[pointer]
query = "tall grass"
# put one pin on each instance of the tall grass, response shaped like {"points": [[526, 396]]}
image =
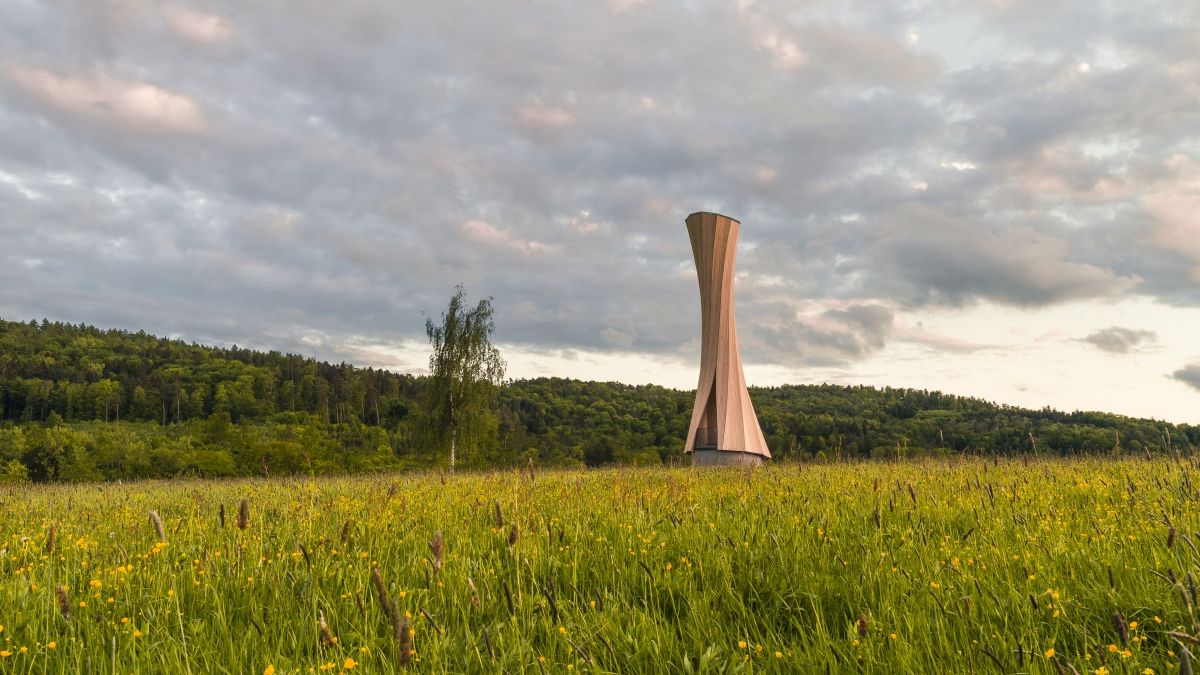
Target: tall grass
{"points": [[960, 566]]}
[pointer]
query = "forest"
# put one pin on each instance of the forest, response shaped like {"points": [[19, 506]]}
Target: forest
{"points": [[79, 403]]}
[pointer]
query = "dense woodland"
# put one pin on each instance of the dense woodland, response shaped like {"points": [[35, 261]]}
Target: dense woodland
{"points": [[80, 403]]}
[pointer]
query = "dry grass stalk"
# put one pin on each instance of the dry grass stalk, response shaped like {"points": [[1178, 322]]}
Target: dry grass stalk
{"points": [[385, 600], [401, 630], [64, 602], [243, 519], [404, 636], [474, 593], [1121, 628], [327, 638], [436, 546], [158, 528]]}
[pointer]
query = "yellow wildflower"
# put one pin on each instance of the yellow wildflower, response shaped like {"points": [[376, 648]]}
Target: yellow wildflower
{"points": [[1050, 653], [741, 644], [349, 663], [52, 645]]}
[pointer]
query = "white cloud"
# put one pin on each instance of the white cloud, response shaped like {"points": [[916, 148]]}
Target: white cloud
{"points": [[785, 54], [135, 104], [197, 27], [539, 117], [487, 234]]}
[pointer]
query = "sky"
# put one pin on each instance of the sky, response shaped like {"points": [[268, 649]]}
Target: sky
{"points": [[994, 198]]}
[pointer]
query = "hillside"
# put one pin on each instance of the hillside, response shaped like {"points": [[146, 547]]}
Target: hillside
{"points": [[78, 402]]}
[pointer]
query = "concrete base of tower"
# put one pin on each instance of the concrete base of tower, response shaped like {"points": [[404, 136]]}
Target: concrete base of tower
{"points": [[725, 458]]}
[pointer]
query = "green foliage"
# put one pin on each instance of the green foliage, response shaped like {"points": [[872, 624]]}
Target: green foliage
{"points": [[187, 410], [465, 372], [13, 471]]}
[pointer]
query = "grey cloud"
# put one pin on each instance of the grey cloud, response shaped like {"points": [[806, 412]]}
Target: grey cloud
{"points": [[928, 256], [344, 149], [1119, 340], [1189, 375], [830, 338]]}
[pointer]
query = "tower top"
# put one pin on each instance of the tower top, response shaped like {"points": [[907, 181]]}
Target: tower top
{"points": [[711, 213]]}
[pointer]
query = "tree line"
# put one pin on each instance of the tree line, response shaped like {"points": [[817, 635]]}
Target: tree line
{"points": [[81, 403]]}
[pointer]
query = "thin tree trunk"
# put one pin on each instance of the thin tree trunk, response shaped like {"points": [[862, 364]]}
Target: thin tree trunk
{"points": [[453, 439]]}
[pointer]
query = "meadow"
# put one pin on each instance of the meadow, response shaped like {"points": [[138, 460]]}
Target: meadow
{"points": [[963, 565]]}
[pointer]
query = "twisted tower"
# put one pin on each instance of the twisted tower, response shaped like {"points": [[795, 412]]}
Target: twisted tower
{"points": [[724, 428]]}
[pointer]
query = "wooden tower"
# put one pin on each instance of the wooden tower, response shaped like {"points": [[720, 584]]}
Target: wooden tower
{"points": [[724, 428]]}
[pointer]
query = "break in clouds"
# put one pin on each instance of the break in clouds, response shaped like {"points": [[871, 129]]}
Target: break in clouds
{"points": [[308, 175]]}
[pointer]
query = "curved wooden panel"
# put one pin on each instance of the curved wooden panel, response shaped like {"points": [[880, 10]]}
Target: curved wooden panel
{"points": [[723, 418]]}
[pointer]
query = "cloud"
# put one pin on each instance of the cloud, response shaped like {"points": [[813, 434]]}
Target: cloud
{"points": [[1189, 375], [252, 173], [543, 120], [1120, 340], [785, 54], [134, 104], [819, 336], [927, 256], [483, 232], [197, 27]]}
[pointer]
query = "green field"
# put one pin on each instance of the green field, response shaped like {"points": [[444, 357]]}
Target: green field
{"points": [[924, 567]]}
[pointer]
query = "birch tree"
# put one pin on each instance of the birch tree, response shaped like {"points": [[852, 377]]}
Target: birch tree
{"points": [[466, 371]]}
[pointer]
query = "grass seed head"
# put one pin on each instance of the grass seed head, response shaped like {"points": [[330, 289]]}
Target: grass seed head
{"points": [[243, 520], [474, 593], [327, 638], [436, 546], [50, 538], [64, 602], [404, 636], [1121, 628], [158, 526]]}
